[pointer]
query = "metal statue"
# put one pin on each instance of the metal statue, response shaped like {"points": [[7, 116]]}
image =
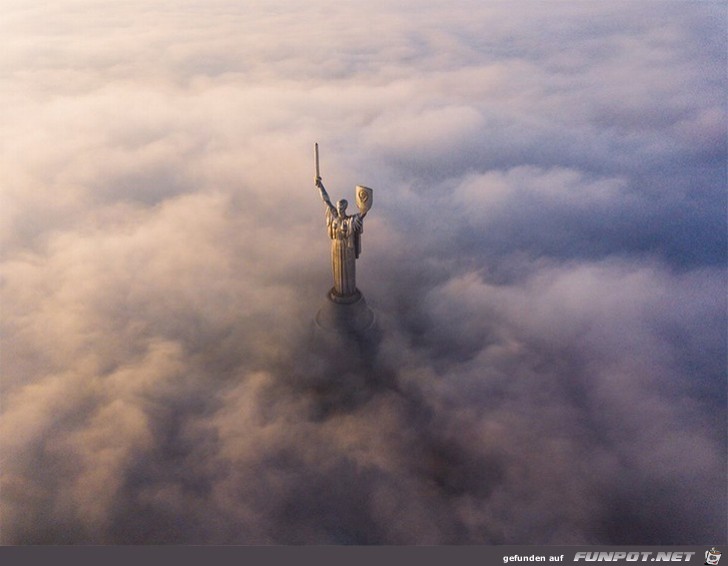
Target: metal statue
{"points": [[345, 233]]}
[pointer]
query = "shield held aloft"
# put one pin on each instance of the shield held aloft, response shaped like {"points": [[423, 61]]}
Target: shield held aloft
{"points": [[364, 198]]}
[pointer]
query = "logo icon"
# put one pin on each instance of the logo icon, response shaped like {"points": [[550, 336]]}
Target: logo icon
{"points": [[712, 556]]}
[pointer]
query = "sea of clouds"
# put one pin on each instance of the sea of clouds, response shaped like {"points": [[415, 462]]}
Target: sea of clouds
{"points": [[545, 254]]}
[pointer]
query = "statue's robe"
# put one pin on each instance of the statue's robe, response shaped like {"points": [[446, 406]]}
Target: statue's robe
{"points": [[345, 234]]}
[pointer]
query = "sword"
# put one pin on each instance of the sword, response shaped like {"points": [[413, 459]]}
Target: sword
{"points": [[316, 158]]}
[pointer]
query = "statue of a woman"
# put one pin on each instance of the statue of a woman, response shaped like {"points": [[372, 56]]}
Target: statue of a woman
{"points": [[345, 233]]}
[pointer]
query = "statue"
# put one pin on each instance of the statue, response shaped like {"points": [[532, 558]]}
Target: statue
{"points": [[345, 233], [344, 315]]}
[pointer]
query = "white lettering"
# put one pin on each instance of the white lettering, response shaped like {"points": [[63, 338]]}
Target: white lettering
{"points": [[633, 556]]}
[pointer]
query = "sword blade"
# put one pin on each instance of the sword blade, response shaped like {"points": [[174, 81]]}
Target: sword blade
{"points": [[316, 158]]}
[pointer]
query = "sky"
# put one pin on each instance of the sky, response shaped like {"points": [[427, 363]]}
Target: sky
{"points": [[545, 257]]}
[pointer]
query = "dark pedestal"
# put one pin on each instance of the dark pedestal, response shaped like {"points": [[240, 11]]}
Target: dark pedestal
{"points": [[345, 315]]}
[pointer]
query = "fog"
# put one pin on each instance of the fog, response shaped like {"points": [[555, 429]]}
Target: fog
{"points": [[545, 256]]}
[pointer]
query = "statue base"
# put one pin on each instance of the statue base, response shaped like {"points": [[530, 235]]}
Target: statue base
{"points": [[344, 343], [348, 314]]}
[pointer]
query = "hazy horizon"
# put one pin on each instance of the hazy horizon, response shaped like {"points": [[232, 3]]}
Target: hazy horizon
{"points": [[546, 255]]}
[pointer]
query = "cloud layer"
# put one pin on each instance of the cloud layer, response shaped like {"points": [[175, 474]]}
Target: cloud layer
{"points": [[546, 256]]}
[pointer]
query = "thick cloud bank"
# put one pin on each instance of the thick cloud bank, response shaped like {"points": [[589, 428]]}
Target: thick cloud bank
{"points": [[546, 257]]}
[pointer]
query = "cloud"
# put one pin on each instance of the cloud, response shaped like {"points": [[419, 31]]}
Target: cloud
{"points": [[545, 256]]}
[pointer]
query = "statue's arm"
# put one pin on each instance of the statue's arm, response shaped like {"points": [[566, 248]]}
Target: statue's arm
{"points": [[359, 221], [325, 195]]}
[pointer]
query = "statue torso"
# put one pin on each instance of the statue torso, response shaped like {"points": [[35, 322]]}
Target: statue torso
{"points": [[342, 228]]}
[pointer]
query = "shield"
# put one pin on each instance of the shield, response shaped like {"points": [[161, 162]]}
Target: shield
{"points": [[364, 198]]}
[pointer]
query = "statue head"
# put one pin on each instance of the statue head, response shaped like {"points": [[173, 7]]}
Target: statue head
{"points": [[341, 207]]}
